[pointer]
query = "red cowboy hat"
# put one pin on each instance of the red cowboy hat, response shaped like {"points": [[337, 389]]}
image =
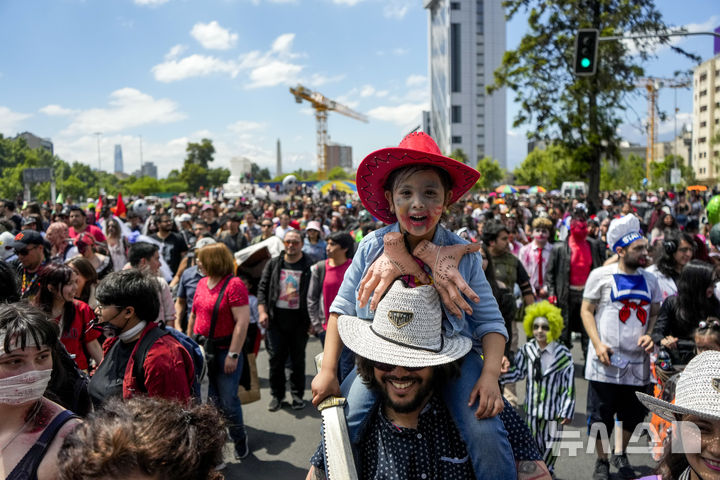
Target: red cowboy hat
{"points": [[417, 148]]}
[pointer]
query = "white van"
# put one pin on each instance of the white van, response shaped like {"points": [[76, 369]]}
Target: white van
{"points": [[573, 189]]}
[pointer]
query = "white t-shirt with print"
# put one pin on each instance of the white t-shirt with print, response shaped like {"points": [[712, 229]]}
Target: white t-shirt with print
{"points": [[620, 302]]}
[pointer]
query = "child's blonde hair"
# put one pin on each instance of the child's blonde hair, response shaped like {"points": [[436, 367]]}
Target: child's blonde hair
{"points": [[547, 310]]}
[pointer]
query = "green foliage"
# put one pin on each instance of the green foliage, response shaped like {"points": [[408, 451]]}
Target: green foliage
{"points": [[581, 113], [626, 173], [338, 173], [459, 155], [259, 174], [200, 153], [660, 172], [548, 168], [79, 181], [490, 173]]}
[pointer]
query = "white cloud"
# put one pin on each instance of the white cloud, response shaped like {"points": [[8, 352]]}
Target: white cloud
{"points": [[175, 52], [244, 126], [283, 43], [272, 73], [128, 108], [349, 3], [10, 121], [193, 66], [401, 115], [56, 111], [395, 51], [396, 8], [416, 80], [150, 3], [707, 26], [668, 126], [367, 91], [213, 36]]}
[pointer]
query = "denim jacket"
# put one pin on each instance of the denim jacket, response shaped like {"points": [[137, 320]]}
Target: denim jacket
{"points": [[486, 317]]}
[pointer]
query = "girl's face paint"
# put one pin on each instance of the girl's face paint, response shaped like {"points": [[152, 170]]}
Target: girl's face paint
{"points": [[418, 202], [541, 236]]}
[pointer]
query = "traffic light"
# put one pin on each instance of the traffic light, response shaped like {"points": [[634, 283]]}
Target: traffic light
{"points": [[586, 43]]}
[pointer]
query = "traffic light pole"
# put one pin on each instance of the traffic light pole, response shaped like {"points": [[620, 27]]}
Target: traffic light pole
{"points": [[656, 35]]}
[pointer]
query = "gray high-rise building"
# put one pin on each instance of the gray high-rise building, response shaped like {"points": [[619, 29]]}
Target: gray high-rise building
{"points": [[118, 159], [466, 44]]}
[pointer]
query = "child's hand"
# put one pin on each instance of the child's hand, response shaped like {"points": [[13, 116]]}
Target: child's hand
{"points": [[487, 393], [324, 385], [393, 263], [449, 283], [505, 365], [565, 421]]}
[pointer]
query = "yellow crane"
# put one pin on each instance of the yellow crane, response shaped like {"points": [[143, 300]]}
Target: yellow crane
{"points": [[322, 106], [653, 85]]}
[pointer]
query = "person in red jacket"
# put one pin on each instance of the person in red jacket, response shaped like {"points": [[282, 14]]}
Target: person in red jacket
{"points": [[127, 307]]}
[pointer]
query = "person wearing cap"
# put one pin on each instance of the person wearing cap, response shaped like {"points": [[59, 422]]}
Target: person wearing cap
{"points": [[314, 245], [29, 247], [184, 226], [409, 187], [404, 356], [620, 304], [696, 410], [79, 224], [209, 215], [188, 282], [233, 237]]}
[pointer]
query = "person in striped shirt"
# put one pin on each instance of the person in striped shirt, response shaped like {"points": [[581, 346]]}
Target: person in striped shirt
{"points": [[547, 366]]}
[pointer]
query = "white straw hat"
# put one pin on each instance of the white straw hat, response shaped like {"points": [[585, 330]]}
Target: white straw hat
{"points": [[406, 330], [697, 391]]}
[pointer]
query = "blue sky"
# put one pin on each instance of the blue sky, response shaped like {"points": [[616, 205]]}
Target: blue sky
{"points": [[173, 71]]}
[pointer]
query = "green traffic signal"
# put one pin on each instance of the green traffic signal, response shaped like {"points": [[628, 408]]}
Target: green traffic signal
{"points": [[586, 43], [585, 62]]}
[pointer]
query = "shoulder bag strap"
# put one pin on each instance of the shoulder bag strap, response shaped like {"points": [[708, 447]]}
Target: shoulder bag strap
{"points": [[216, 310]]}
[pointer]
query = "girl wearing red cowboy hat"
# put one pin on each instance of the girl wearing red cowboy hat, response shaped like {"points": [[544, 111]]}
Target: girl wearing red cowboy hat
{"points": [[409, 187]]}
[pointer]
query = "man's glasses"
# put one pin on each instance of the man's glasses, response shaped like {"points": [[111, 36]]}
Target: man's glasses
{"points": [[292, 242], [266, 225], [544, 328], [101, 307], [386, 367]]}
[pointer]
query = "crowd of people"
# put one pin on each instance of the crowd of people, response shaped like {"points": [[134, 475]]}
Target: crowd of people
{"points": [[125, 329]]}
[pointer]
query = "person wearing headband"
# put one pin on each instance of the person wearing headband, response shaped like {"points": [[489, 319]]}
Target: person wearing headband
{"points": [[32, 428], [619, 308]]}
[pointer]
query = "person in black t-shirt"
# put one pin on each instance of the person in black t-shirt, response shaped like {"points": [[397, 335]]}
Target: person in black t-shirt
{"points": [[173, 245]]}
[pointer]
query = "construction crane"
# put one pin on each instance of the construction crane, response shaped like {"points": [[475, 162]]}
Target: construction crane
{"points": [[653, 85], [322, 106]]}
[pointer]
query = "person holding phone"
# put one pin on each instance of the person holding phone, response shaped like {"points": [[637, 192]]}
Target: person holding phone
{"points": [[620, 304]]}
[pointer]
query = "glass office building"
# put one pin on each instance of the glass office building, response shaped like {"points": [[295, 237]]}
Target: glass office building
{"points": [[466, 43]]}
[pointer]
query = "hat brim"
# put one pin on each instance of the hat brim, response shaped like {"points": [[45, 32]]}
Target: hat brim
{"points": [[374, 170], [358, 337], [670, 411]]}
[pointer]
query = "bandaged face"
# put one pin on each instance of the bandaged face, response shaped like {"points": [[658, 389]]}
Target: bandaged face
{"points": [[541, 329]]}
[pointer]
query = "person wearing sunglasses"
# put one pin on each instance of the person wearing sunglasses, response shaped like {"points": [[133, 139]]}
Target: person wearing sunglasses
{"points": [[547, 366], [29, 247], [267, 230], [404, 357]]}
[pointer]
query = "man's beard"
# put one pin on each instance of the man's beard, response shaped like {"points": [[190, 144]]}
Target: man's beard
{"points": [[634, 263], [423, 392]]}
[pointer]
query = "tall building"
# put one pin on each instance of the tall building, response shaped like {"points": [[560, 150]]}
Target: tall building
{"points": [[337, 155], [706, 120], [33, 141], [148, 170], [466, 45], [118, 159]]}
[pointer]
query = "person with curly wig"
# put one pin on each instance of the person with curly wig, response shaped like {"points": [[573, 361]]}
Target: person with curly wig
{"points": [[145, 438], [547, 366]]}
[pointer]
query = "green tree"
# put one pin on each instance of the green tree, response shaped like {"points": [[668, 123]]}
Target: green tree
{"points": [[218, 176], [582, 113], [200, 153], [194, 176], [490, 173], [627, 173], [459, 155], [259, 174], [338, 173], [547, 168]]}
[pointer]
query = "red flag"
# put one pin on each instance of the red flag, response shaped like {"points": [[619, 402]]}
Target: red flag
{"points": [[98, 208], [120, 209]]}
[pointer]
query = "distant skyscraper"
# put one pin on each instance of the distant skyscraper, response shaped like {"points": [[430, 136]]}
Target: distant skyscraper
{"points": [[467, 42], [149, 170], [118, 159]]}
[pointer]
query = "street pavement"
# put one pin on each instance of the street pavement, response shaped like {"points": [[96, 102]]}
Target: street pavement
{"points": [[282, 442]]}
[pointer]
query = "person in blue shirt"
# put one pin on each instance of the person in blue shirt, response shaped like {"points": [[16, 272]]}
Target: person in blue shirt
{"points": [[409, 187]]}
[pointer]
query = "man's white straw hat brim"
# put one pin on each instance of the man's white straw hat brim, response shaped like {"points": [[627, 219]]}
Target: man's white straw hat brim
{"points": [[697, 392], [406, 330]]}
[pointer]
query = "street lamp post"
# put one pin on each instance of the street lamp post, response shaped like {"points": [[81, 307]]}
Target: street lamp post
{"points": [[98, 135]]}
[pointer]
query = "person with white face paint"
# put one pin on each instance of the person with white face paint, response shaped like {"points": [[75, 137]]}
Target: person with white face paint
{"points": [[33, 427], [547, 366], [535, 256]]}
